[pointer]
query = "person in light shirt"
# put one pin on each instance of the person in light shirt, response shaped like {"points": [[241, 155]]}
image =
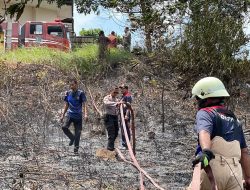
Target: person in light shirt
{"points": [[111, 103]]}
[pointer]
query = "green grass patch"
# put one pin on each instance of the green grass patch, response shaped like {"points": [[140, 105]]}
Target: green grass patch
{"points": [[116, 56], [36, 55], [85, 59]]}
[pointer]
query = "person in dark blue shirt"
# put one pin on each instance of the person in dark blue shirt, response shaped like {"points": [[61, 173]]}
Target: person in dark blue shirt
{"points": [[75, 101], [221, 141]]}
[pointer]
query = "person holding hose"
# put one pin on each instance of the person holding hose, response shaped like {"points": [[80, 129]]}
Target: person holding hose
{"points": [[127, 101], [221, 141], [111, 103]]}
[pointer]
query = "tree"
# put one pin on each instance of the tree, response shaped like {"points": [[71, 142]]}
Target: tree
{"points": [[214, 35], [90, 32]]}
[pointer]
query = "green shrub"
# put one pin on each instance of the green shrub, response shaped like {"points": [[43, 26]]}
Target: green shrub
{"points": [[213, 38]]}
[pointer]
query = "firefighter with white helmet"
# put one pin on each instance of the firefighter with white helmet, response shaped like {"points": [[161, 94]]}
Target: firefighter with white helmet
{"points": [[209, 87], [221, 141]]}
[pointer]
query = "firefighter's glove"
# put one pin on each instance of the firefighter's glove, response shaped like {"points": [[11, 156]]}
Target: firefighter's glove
{"points": [[204, 158]]}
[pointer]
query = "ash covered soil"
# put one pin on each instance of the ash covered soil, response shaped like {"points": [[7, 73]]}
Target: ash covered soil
{"points": [[34, 152]]}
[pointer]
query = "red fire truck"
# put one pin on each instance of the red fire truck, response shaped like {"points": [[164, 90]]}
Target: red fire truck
{"points": [[50, 34]]}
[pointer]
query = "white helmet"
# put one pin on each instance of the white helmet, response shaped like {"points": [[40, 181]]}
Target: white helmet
{"points": [[209, 87]]}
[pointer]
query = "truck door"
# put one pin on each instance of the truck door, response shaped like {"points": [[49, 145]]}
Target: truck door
{"points": [[35, 36], [55, 36]]}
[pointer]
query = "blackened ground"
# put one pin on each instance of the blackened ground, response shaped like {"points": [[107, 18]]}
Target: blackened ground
{"points": [[35, 152]]}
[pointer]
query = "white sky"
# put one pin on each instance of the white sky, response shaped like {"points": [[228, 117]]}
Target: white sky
{"points": [[108, 21]]}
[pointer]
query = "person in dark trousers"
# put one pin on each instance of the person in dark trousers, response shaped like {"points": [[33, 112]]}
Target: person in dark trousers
{"points": [[127, 100], [221, 141], [111, 103], [103, 42], [75, 102]]}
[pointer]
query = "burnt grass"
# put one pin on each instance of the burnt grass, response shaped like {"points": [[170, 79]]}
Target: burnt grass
{"points": [[34, 152]]}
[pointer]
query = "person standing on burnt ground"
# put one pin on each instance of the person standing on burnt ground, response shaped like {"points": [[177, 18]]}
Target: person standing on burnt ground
{"points": [[75, 107], [221, 141], [111, 106], [126, 99]]}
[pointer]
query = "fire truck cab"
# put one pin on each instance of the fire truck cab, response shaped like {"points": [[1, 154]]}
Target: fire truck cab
{"points": [[50, 34]]}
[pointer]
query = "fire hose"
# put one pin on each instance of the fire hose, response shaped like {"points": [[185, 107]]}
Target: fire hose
{"points": [[197, 170], [195, 184], [131, 153]]}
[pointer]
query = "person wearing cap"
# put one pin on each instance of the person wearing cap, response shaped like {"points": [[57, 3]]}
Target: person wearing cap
{"points": [[111, 103], [221, 142], [127, 100], [112, 40]]}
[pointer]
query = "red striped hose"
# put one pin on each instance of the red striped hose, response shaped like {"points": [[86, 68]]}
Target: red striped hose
{"points": [[135, 162]]}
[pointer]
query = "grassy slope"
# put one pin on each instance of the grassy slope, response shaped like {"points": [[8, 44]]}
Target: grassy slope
{"points": [[85, 58]]}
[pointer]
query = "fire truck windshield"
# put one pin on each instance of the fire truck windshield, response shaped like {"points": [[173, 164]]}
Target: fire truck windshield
{"points": [[55, 31]]}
